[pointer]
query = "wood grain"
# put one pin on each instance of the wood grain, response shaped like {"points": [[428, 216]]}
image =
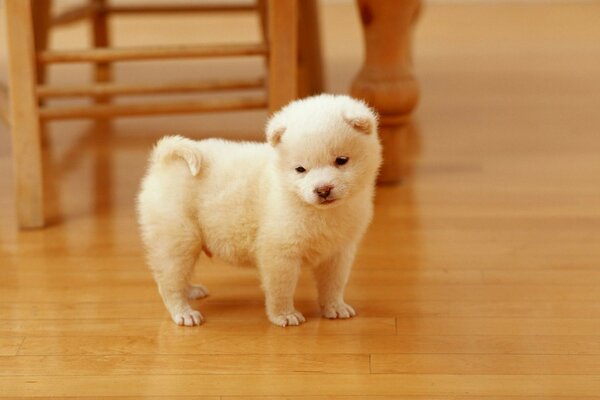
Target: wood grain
{"points": [[154, 53], [478, 278], [214, 327], [282, 23], [101, 38], [4, 105], [181, 8], [204, 364], [186, 343], [492, 364], [131, 89], [148, 108], [301, 385], [25, 124], [240, 308], [385, 80], [10, 345], [503, 326]]}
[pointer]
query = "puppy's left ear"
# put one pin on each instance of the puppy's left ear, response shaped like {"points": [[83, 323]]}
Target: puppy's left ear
{"points": [[363, 120], [275, 130]]}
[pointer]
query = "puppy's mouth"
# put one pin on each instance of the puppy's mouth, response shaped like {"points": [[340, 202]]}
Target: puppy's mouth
{"points": [[327, 201]]}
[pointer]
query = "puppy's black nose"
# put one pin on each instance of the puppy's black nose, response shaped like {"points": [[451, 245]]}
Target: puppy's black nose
{"points": [[323, 191]]}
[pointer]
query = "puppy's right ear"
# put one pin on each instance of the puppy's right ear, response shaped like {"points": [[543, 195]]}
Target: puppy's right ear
{"points": [[275, 130], [364, 121]]}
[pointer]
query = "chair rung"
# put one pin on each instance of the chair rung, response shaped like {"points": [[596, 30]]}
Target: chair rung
{"points": [[146, 53], [114, 110], [100, 90], [85, 11], [178, 8], [74, 14]]}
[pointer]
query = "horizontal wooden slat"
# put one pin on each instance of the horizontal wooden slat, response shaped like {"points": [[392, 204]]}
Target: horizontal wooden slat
{"points": [[499, 364], [147, 53], [191, 341], [78, 13], [573, 386], [188, 364], [180, 107], [74, 14], [133, 89], [180, 8]]}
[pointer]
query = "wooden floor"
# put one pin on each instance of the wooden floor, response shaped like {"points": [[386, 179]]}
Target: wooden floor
{"points": [[479, 278]]}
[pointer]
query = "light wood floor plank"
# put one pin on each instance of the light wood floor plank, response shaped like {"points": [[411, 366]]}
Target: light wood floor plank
{"points": [[375, 308], [98, 272], [484, 260], [234, 364], [496, 364], [212, 328], [192, 341], [317, 397], [301, 385], [498, 326], [401, 292], [10, 345], [407, 397]]}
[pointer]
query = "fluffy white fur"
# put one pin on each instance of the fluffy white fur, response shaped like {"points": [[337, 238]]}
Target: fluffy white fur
{"points": [[247, 204]]}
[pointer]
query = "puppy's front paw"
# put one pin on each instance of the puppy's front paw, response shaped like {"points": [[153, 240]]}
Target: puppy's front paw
{"points": [[289, 319], [338, 310], [197, 292], [188, 318]]}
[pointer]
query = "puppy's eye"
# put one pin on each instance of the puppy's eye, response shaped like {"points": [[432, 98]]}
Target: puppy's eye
{"points": [[341, 160], [300, 169]]}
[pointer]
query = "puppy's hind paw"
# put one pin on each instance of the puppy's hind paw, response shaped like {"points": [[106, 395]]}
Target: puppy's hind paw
{"points": [[338, 310], [290, 319], [197, 292], [188, 318]]}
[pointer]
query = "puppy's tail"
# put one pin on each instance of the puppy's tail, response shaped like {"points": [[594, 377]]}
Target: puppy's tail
{"points": [[173, 147]]}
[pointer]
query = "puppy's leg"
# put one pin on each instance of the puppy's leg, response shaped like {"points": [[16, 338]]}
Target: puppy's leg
{"points": [[172, 260], [332, 276], [279, 278], [196, 291]]}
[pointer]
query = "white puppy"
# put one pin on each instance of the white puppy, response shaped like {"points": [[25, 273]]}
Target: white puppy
{"points": [[305, 198]]}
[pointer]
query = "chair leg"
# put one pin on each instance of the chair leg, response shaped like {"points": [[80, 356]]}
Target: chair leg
{"points": [[310, 73], [283, 52], [25, 124], [101, 38], [261, 5], [41, 26]]}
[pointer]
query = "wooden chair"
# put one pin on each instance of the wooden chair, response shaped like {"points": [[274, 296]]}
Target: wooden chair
{"points": [[28, 22]]}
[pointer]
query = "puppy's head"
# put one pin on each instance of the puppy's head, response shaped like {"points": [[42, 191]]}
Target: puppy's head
{"points": [[327, 148]]}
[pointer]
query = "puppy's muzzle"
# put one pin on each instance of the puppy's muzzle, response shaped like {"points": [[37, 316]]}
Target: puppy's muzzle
{"points": [[323, 191]]}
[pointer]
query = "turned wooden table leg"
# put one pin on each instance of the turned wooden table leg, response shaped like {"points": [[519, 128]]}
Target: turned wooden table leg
{"points": [[385, 81]]}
